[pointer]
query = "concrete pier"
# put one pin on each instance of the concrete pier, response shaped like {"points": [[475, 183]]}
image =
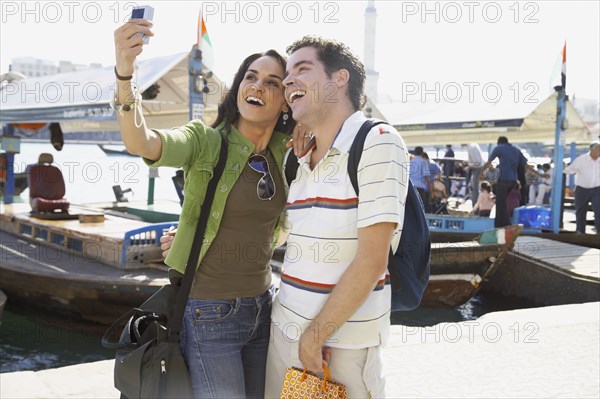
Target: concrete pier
{"points": [[534, 353]]}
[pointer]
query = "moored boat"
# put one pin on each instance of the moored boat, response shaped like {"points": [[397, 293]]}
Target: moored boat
{"points": [[87, 271], [459, 270], [2, 302]]}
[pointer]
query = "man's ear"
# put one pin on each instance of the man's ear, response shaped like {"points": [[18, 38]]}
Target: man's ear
{"points": [[341, 77]]}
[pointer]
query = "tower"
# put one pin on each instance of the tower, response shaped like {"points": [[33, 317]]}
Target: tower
{"points": [[369, 55]]}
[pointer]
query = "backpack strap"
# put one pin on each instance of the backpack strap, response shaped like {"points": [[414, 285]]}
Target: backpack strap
{"points": [[357, 148], [290, 166]]}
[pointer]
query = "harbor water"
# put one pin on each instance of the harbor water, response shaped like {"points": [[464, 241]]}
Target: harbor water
{"points": [[30, 340]]}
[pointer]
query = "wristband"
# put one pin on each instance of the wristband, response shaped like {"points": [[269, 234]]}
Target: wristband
{"points": [[119, 77]]}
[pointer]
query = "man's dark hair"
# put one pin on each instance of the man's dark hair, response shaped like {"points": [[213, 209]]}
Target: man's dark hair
{"points": [[502, 140], [418, 150], [485, 185], [335, 56]]}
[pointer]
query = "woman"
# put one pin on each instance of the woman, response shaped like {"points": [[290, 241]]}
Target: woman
{"points": [[227, 319]]}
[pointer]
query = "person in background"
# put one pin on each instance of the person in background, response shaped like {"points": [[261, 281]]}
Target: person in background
{"points": [[533, 182], [226, 326], [586, 169], [513, 199], [485, 201], [448, 166], [435, 173], [545, 185], [510, 158], [420, 177], [521, 177], [475, 160]]}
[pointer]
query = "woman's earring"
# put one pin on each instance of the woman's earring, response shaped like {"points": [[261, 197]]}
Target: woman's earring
{"points": [[285, 118]]}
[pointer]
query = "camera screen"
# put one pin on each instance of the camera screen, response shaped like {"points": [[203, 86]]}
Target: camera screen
{"points": [[137, 13]]}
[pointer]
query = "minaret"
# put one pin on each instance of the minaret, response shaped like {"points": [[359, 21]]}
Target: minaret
{"points": [[369, 57]]}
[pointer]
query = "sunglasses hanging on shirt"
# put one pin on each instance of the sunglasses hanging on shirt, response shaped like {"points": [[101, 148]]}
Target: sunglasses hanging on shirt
{"points": [[265, 189]]}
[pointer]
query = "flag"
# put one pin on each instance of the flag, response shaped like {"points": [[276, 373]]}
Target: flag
{"points": [[204, 44], [501, 235], [563, 69], [558, 77]]}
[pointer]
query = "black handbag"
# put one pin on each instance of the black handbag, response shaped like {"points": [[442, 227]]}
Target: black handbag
{"points": [[149, 363]]}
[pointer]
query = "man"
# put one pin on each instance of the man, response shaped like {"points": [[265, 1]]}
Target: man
{"points": [[333, 304], [448, 166], [420, 176], [586, 168], [545, 185], [475, 160], [510, 158], [435, 171]]}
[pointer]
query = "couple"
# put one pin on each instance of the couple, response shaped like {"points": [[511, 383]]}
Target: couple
{"points": [[333, 304]]}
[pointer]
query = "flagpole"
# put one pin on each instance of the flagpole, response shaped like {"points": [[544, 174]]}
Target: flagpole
{"points": [[197, 83], [559, 146]]}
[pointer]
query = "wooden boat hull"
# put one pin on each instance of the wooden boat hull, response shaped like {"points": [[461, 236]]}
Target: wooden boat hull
{"points": [[586, 240], [546, 273], [2, 302], [66, 283], [459, 269], [450, 290]]}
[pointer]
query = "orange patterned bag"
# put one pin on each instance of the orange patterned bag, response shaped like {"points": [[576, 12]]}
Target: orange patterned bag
{"points": [[299, 384]]}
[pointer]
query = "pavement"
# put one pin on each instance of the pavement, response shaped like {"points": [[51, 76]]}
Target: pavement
{"points": [[528, 353]]}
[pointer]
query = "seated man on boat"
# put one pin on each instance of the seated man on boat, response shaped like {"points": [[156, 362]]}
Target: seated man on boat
{"points": [[544, 187]]}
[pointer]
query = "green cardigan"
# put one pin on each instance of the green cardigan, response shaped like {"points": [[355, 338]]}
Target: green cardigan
{"points": [[195, 148]]}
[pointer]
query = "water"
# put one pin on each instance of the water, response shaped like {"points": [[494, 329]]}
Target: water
{"points": [[90, 174], [30, 341], [33, 341]]}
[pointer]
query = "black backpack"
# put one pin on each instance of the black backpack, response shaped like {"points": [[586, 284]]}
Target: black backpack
{"points": [[409, 265]]}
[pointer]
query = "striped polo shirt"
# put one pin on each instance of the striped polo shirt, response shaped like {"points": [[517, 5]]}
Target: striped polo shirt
{"points": [[325, 215]]}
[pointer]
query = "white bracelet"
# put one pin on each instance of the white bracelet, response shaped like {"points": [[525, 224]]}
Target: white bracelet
{"points": [[120, 108]]}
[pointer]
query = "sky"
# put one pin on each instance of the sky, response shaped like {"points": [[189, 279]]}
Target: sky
{"points": [[465, 51]]}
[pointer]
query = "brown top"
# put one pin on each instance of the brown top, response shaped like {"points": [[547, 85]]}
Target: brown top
{"points": [[237, 263]]}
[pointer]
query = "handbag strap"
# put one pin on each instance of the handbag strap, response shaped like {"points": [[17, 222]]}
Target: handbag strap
{"points": [[174, 324]]}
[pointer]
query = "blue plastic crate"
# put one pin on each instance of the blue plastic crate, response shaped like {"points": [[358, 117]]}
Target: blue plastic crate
{"points": [[534, 217]]}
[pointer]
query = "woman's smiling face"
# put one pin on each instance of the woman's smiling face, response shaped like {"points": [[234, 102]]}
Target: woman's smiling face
{"points": [[261, 97]]}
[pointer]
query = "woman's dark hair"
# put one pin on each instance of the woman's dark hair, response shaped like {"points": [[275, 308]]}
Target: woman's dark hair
{"points": [[228, 111]]}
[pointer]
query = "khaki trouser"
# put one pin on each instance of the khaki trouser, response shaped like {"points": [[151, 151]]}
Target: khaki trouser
{"points": [[360, 370]]}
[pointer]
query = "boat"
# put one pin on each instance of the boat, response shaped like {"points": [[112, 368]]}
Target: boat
{"points": [[86, 269], [458, 228], [460, 269], [2, 302], [546, 272]]}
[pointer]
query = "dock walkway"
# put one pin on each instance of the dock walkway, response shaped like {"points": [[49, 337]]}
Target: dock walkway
{"points": [[546, 272], [534, 353], [576, 260]]}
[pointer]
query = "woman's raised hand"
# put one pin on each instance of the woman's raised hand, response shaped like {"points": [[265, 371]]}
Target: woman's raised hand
{"points": [[129, 44], [300, 138]]}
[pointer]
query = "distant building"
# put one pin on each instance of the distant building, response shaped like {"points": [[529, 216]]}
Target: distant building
{"points": [[35, 67], [588, 109], [369, 55]]}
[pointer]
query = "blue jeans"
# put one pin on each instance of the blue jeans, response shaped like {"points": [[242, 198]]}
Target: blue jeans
{"points": [[225, 344]]}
